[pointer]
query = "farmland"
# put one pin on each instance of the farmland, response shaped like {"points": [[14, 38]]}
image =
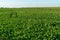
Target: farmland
{"points": [[30, 23]]}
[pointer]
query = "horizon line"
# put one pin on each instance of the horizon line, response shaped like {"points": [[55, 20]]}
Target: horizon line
{"points": [[31, 7]]}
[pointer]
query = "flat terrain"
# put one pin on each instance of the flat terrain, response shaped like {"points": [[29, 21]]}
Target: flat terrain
{"points": [[30, 23]]}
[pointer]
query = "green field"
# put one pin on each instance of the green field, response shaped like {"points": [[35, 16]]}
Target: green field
{"points": [[29, 23]]}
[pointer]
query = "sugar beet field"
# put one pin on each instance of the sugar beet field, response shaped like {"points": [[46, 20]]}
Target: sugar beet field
{"points": [[29, 23]]}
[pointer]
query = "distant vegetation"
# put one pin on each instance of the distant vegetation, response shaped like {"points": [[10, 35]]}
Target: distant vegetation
{"points": [[30, 24]]}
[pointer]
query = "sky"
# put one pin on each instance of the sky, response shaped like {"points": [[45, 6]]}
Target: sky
{"points": [[29, 3]]}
